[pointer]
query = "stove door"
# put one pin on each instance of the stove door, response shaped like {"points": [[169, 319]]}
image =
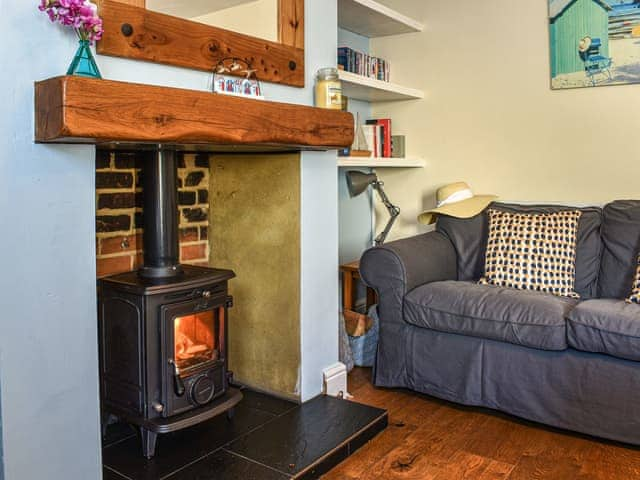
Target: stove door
{"points": [[194, 337]]}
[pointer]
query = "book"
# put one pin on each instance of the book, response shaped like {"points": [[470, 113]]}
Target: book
{"points": [[363, 64], [378, 136], [398, 146], [385, 141]]}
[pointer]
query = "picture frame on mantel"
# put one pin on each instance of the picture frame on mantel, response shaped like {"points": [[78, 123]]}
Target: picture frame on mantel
{"points": [[132, 31]]}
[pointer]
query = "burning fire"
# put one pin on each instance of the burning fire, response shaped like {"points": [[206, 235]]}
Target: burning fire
{"points": [[194, 339]]}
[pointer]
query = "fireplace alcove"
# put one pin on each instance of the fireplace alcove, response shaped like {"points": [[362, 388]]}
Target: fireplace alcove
{"points": [[163, 327]]}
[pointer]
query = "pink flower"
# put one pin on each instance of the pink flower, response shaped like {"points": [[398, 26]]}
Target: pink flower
{"points": [[81, 15]]}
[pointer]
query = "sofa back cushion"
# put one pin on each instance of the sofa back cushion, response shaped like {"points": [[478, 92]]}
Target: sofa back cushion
{"points": [[621, 245], [469, 238]]}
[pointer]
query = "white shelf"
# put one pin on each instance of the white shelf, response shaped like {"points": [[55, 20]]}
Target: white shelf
{"points": [[372, 90], [372, 19], [381, 162]]}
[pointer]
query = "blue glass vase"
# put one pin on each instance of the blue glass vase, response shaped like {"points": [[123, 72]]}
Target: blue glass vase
{"points": [[83, 64]]}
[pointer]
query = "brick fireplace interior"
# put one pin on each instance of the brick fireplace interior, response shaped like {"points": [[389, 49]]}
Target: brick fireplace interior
{"points": [[119, 210]]}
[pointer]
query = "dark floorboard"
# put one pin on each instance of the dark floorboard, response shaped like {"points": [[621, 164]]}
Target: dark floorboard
{"points": [[268, 438]]}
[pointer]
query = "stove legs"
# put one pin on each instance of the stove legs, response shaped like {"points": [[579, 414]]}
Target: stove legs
{"points": [[148, 442], [106, 420], [150, 429]]}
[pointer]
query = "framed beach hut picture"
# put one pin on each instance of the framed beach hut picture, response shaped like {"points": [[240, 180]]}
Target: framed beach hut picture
{"points": [[594, 42]]}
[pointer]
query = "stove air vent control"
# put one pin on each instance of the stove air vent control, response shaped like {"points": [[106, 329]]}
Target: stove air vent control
{"points": [[202, 390]]}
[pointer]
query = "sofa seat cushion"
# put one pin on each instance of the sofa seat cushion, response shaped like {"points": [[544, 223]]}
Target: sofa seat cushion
{"points": [[608, 326], [528, 318]]}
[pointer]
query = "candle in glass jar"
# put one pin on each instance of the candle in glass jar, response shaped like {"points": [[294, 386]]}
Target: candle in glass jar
{"points": [[328, 89]]}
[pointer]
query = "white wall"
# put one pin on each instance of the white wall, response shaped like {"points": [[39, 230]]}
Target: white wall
{"points": [[48, 338], [191, 8], [258, 18], [490, 117]]}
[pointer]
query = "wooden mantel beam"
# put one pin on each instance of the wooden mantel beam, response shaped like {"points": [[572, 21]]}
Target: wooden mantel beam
{"points": [[81, 110]]}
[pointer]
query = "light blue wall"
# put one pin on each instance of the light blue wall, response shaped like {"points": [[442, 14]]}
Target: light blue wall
{"points": [[353, 40], [48, 338], [319, 315], [354, 213], [1, 454], [355, 220]]}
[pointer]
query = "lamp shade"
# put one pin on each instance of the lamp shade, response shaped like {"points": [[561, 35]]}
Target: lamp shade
{"points": [[358, 182]]}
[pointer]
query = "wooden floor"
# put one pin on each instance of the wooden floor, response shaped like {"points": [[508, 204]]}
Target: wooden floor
{"points": [[429, 439]]}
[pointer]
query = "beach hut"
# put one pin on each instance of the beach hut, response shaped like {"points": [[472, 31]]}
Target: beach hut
{"points": [[570, 21]]}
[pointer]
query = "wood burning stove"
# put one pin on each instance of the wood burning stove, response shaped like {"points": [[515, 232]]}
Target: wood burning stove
{"points": [[163, 329]]}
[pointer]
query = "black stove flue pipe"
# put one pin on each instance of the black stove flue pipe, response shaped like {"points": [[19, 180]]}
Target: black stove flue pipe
{"points": [[160, 211]]}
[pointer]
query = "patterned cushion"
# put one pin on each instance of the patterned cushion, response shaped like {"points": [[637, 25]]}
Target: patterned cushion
{"points": [[635, 292], [532, 251]]}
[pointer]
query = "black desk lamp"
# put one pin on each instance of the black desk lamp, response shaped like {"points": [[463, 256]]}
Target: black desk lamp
{"points": [[358, 182]]}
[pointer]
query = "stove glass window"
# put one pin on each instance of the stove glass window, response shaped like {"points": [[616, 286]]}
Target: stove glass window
{"points": [[195, 338]]}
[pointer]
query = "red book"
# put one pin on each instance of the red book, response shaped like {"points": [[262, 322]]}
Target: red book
{"points": [[385, 124]]}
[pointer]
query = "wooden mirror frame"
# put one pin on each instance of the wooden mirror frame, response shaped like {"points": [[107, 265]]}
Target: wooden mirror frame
{"points": [[132, 31]]}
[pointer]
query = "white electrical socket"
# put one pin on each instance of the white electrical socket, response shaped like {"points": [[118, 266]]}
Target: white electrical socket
{"points": [[335, 381]]}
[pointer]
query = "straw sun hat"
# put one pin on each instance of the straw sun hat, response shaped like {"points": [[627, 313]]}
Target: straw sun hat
{"points": [[456, 200]]}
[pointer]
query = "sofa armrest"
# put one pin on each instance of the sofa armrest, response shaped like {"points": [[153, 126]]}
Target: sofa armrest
{"points": [[396, 268], [408, 263]]}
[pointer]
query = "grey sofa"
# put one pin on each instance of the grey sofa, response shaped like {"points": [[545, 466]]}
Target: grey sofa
{"points": [[572, 364]]}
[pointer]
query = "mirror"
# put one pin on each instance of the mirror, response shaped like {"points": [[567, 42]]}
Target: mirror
{"points": [[258, 18]]}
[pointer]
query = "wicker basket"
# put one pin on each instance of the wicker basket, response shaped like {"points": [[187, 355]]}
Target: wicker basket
{"points": [[364, 347]]}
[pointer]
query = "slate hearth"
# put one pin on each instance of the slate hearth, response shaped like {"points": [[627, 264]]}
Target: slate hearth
{"points": [[268, 439]]}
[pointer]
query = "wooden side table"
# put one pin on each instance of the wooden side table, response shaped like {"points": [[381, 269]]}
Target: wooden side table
{"points": [[356, 323]]}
